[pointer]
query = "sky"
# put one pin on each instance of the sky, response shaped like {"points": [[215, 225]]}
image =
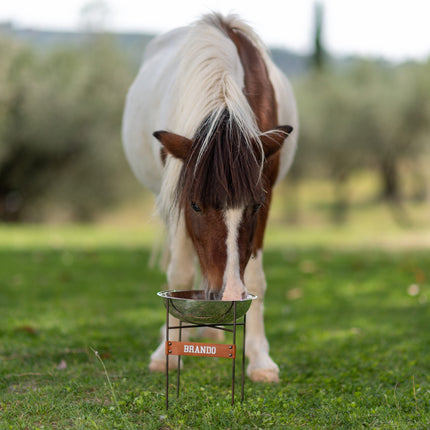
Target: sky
{"points": [[393, 29]]}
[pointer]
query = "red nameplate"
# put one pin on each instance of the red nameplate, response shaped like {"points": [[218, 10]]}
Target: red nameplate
{"points": [[198, 349]]}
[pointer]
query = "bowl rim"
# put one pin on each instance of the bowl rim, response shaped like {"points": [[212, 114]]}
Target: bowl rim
{"points": [[166, 294]]}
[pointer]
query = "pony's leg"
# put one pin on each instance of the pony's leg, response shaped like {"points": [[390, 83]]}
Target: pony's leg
{"points": [[261, 367], [211, 334], [180, 276]]}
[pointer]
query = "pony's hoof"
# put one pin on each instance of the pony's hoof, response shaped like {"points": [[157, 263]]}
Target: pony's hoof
{"points": [[264, 375], [157, 366], [160, 365]]}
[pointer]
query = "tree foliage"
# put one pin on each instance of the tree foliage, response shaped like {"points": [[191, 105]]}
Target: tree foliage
{"points": [[60, 121], [60, 128], [367, 115]]}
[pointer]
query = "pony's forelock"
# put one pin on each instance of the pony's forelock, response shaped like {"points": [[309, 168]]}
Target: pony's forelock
{"points": [[226, 172]]}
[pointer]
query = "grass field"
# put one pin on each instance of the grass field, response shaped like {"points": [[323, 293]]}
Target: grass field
{"points": [[347, 320]]}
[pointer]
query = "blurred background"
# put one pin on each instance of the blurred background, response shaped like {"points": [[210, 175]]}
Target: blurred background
{"points": [[360, 70]]}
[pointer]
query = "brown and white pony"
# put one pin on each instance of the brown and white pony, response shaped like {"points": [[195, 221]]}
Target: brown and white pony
{"points": [[204, 128]]}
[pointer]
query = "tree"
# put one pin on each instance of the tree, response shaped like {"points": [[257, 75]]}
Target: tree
{"points": [[319, 53], [367, 115], [60, 129]]}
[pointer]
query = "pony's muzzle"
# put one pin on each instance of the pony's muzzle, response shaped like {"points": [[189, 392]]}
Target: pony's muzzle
{"points": [[234, 290]]}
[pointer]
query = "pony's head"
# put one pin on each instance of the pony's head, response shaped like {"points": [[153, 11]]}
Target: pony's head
{"points": [[222, 192]]}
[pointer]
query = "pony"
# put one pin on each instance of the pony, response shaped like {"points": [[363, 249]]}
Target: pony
{"points": [[210, 126]]}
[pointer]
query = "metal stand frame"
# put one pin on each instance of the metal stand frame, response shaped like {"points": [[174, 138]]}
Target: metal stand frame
{"points": [[231, 355]]}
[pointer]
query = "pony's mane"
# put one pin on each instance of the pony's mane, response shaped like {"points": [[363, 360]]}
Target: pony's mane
{"points": [[226, 174], [208, 105]]}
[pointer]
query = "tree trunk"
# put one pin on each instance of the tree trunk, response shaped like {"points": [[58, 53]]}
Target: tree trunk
{"points": [[390, 179]]}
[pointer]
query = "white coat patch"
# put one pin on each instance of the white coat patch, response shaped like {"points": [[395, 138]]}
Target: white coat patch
{"points": [[233, 285]]}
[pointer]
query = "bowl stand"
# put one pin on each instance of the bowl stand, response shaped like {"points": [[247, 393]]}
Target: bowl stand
{"points": [[200, 349]]}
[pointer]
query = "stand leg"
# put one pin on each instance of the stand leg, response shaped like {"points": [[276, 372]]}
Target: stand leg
{"points": [[234, 359], [179, 361], [243, 358], [167, 356]]}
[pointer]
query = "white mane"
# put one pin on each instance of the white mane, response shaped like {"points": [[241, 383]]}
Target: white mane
{"points": [[208, 80]]}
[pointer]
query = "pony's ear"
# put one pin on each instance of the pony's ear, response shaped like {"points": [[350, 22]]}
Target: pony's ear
{"points": [[272, 140], [176, 145]]}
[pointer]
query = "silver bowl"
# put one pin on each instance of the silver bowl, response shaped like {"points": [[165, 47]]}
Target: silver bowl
{"points": [[191, 306]]}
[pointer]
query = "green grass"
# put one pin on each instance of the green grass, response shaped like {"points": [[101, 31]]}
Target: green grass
{"points": [[350, 335]]}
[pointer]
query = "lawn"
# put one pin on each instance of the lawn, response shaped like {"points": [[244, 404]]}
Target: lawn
{"points": [[348, 327]]}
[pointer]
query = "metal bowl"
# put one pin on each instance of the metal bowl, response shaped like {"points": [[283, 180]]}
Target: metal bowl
{"points": [[191, 306]]}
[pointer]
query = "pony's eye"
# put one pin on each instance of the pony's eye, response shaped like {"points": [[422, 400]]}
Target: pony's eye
{"points": [[255, 208], [195, 207]]}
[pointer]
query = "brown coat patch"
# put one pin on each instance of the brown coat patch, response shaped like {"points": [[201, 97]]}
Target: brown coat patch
{"points": [[261, 97]]}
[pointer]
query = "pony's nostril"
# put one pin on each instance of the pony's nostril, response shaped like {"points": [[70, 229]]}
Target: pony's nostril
{"points": [[212, 295]]}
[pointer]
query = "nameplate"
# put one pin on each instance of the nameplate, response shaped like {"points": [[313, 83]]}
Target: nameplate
{"points": [[198, 349]]}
